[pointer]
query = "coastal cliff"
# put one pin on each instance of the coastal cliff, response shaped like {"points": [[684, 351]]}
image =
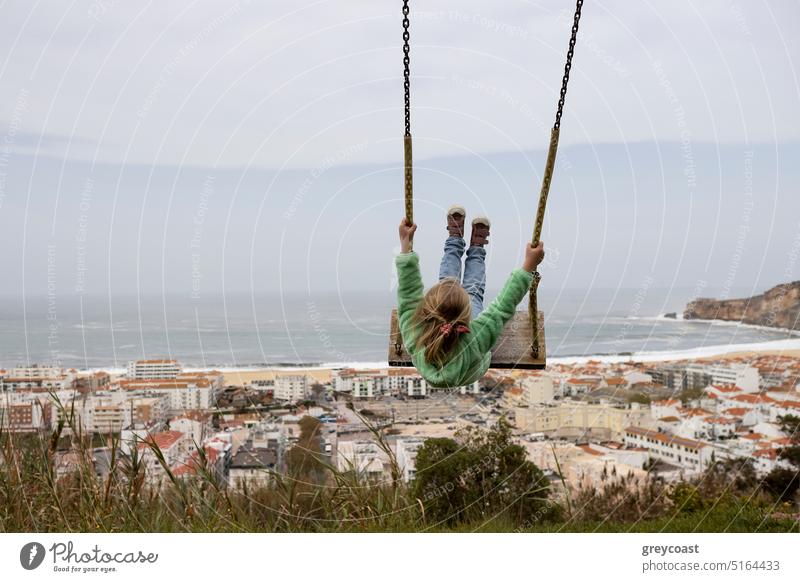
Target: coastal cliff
{"points": [[778, 307]]}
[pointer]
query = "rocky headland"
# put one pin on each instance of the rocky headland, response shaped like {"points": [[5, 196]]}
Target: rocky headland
{"points": [[778, 307]]}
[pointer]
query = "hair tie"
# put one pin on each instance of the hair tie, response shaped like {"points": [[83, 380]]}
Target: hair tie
{"points": [[446, 328]]}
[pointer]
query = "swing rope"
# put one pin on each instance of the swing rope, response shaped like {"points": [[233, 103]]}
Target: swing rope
{"points": [[409, 182], [408, 174], [533, 309]]}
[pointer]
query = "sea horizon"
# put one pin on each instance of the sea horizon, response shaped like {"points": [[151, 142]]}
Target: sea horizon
{"points": [[348, 329]]}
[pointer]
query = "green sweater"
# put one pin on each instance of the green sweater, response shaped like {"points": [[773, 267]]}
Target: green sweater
{"points": [[471, 356]]}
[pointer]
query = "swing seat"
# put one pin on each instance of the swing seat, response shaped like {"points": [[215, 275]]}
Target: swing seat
{"points": [[512, 350]]}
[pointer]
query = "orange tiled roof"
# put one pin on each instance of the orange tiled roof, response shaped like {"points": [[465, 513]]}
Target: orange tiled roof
{"points": [[163, 440], [697, 412], [668, 439], [582, 381], [753, 398], [736, 411], [724, 389]]}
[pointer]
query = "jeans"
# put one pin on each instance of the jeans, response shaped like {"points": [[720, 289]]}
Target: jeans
{"points": [[474, 281]]}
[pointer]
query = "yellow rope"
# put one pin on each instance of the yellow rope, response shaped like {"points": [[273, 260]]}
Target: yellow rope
{"points": [[409, 181], [533, 309]]}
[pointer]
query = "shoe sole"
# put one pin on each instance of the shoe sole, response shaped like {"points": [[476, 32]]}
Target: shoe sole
{"points": [[456, 209]]}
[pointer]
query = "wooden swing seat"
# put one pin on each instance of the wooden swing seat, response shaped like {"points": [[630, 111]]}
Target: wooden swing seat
{"points": [[512, 350]]}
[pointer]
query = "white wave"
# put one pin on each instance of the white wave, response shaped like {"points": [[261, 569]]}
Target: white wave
{"points": [[714, 322], [688, 354], [648, 356], [321, 366], [722, 322]]}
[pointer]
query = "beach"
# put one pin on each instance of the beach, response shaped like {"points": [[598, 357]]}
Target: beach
{"points": [[324, 372]]}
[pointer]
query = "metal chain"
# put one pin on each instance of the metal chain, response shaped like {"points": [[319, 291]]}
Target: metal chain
{"points": [[408, 169], [406, 70], [568, 65]]}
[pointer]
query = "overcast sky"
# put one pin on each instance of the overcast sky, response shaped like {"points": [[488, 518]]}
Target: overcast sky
{"points": [[257, 145]]}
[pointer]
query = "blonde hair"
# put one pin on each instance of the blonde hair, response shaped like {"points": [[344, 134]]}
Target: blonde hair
{"points": [[445, 302]]}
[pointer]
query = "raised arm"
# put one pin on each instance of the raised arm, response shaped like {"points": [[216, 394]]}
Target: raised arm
{"points": [[409, 279], [489, 324], [409, 286]]}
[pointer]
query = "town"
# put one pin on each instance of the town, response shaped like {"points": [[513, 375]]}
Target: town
{"points": [[576, 421]]}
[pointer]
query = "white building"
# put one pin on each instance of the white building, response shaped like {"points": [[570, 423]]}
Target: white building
{"points": [[37, 371], [194, 429], [291, 388], [714, 427], [537, 388], [252, 468], [174, 447], [739, 375], [267, 385], [406, 456], [407, 382], [637, 377], [474, 388], [366, 387], [183, 394], [577, 419], [153, 369], [359, 383], [665, 408], [364, 457], [111, 412], [685, 453], [37, 379]]}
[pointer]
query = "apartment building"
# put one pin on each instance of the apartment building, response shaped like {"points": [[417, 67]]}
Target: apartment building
{"points": [[740, 375], [406, 382], [184, 393], [267, 386], [537, 388], [291, 388], [175, 449], [252, 468], [406, 456], [581, 420], [364, 457], [679, 377], [373, 382], [37, 379], [153, 369], [113, 411], [685, 453], [25, 417]]}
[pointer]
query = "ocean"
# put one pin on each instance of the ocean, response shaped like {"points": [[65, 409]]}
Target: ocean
{"points": [[241, 330]]}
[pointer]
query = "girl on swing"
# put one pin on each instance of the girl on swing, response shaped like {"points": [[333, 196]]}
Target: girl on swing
{"points": [[446, 331]]}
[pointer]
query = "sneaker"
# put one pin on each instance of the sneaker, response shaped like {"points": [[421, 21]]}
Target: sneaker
{"points": [[480, 231], [455, 220]]}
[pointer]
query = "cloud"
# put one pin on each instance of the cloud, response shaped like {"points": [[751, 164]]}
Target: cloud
{"points": [[287, 84]]}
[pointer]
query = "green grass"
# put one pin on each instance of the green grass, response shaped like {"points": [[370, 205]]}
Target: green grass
{"points": [[33, 498]]}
